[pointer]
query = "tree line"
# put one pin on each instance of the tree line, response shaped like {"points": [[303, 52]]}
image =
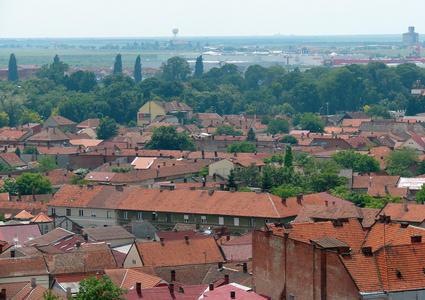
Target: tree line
{"points": [[374, 87]]}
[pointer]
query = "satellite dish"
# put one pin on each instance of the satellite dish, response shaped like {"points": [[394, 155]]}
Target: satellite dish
{"points": [[175, 30]]}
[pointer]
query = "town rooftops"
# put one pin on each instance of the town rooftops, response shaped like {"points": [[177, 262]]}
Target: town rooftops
{"points": [[12, 160], [62, 121], [49, 135], [52, 236], [18, 234], [173, 106], [22, 266]]}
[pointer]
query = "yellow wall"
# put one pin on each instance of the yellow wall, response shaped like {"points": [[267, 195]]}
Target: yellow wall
{"points": [[155, 110]]}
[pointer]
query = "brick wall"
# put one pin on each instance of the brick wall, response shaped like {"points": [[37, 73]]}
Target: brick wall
{"points": [[284, 266]]}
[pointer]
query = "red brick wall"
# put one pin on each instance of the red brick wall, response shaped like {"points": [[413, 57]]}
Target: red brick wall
{"points": [[311, 273]]}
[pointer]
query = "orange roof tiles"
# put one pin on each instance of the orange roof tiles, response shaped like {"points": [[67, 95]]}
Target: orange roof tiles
{"points": [[24, 215], [22, 266], [408, 212], [178, 252], [41, 218], [127, 278]]}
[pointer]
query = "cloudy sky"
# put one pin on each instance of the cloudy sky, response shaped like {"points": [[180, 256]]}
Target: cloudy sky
{"points": [[155, 18]]}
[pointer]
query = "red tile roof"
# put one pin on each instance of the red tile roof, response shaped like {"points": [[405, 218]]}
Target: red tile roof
{"points": [[177, 253], [22, 266], [127, 278], [12, 160], [407, 212]]}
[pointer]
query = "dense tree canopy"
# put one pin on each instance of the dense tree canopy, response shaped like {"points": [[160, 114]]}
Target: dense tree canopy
{"points": [[100, 289], [358, 162], [13, 74], [167, 138], [107, 127], [28, 182]]}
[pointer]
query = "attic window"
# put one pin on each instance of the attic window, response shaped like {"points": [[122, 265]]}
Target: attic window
{"points": [[398, 274]]}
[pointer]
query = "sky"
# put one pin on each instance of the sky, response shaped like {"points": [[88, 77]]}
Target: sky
{"points": [[156, 18]]}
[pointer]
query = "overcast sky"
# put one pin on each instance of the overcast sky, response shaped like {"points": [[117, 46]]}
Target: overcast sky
{"points": [[155, 18]]}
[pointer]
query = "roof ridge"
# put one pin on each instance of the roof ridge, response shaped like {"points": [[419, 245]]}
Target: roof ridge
{"points": [[274, 207], [123, 279]]}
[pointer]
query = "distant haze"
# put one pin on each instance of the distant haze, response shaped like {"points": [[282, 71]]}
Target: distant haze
{"points": [[156, 18]]}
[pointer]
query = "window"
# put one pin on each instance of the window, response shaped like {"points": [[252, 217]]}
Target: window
{"points": [[93, 214], [53, 211], [168, 217], [236, 221], [267, 221], [203, 219], [109, 214], [154, 216], [186, 218], [68, 212], [140, 216], [81, 213], [251, 222], [221, 220], [126, 215]]}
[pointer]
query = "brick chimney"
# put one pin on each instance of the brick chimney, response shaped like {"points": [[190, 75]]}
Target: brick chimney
{"points": [[386, 189], [405, 207], [33, 195], [161, 240], [33, 282], [19, 195], [186, 238], [232, 294], [12, 253], [226, 279], [245, 267], [77, 244], [211, 287], [284, 201], [139, 287], [171, 287], [173, 275], [3, 294], [299, 198], [220, 265]]}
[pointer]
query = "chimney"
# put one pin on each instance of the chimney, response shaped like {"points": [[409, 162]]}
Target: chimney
{"points": [[333, 202], [203, 154], [12, 253], [33, 195], [90, 186], [77, 244], [85, 237], [220, 265], [232, 294], [226, 279], [210, 191], [119, 188], [68, 292], [139, 287], [232, 189], [326, 202], [171, 287], [405, 207], [416, 238], [329, 192], [173, 275], [245, 267], [367, 250], [227, 237], [33, 282], [19, 195], [284, 201], [186, 238], [386, 189], [161, 240], [3, 294], [215, 153], [299, 198], [211, 287]]}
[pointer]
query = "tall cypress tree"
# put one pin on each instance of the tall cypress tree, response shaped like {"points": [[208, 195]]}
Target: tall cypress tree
{"points": [[118, 64], [138, 70], [13, 69], [199, 66]]}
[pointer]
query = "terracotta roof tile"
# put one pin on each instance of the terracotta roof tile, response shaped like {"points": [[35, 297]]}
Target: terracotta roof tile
{"points": [[127, 278], [50, 237], [411, 212], [24, 215], [177, 253], [101, 234], [49, 135], [12, 160], [22, 266]]}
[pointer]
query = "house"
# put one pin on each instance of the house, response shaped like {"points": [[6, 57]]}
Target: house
{"points": [[25, 290], [174, 253], [238, 249], [127, 278], [50, 136], [231, 291], [114, 236], [94, 257], [68, 285], [89, 123], [11, 160], [49, 238], [18, 269], [177, 235], [18, 234], [150, 110], [339, 260], [61, 123], [415, 141]]}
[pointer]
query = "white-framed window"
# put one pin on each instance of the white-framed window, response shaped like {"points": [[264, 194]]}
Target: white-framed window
{"points": [[251, 222], [140, 215], [221, 220], [93, 214], [109, 214], [267, 221], [53, 211], [154, 216], [203, 219], [186, 219], [81, 213], [126, 215], [236, 221]]}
